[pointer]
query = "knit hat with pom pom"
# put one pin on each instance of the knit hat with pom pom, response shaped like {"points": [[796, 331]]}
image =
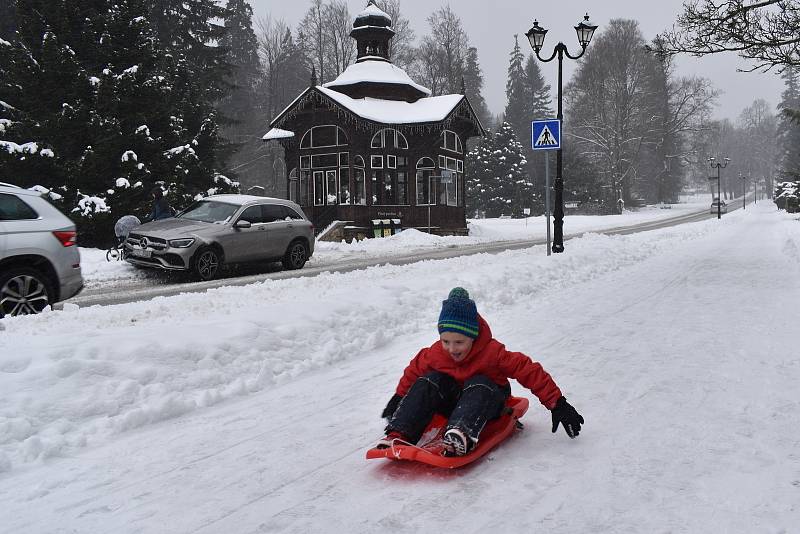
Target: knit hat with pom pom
{"points": [[459, 314]]}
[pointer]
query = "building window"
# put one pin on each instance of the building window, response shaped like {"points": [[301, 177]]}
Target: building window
{"points": [[324, 136], [377, 177], [389, 138], [305, 162], [402, 187], [451, 142], [391, 162], [425, 171], [293, 186], [359, 191], [305, 184], [319, 161], [344, 185], [319, 188], [376, 162], [331, 187], [447, 191]]}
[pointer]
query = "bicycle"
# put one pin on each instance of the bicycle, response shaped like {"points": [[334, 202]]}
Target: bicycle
{"points": [[122, 228]]}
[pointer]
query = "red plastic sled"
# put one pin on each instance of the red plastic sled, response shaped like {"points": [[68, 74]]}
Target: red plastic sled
{"points": [[429, 448]]}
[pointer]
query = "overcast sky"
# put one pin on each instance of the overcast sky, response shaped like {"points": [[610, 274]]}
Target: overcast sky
{"points": [[491, 25]]}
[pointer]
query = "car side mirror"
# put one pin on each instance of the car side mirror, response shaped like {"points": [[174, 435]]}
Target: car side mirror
{"points": [[241, 224]]}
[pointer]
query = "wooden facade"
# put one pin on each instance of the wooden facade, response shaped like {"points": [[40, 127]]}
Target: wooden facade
{"points": [[362, 152]]}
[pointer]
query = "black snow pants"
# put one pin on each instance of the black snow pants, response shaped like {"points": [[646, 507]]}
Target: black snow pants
{"points": [[467, 408]]}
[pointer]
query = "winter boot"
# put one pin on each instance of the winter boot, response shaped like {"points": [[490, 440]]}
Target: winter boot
{"points": [[391, 437], [456, 442]]}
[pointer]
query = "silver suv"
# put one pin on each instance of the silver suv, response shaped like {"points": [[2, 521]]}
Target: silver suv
{"points": [[224, 229], [39, 262]]}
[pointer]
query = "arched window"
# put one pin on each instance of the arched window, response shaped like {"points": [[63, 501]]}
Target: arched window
{"points": [[324, 136], [451, 142], [425, 163], [389, 138]]}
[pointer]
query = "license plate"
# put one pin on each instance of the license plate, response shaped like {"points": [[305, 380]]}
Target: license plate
{"points": [[141, 253]]}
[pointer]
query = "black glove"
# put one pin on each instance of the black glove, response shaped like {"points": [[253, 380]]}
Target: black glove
{"points": [[564, 413], [391, 406]]}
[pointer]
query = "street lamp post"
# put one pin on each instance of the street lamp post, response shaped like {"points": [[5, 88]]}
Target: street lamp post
{"points": [[744, 190], [718, 166], [536, 35]]}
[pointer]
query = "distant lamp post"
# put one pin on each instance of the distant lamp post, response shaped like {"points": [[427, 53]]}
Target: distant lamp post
{"points": [[536, 35], [744, 190], [718, 166]]}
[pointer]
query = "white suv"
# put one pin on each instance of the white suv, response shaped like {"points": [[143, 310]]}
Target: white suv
{"points": [[39, 261]]}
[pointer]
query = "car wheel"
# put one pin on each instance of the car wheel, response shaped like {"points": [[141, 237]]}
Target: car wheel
{"points": [[207, 264], [24, 292], [296, 256]]}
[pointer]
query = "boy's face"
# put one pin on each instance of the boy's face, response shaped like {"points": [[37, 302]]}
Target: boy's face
{"points": [[458, 345]]}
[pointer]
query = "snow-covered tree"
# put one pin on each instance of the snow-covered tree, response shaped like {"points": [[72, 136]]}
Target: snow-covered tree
{"points": [[789, 126], [497, 183], [94, 108]]}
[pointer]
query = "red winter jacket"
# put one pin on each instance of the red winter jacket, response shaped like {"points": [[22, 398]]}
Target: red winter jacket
{"points": [[488, 357]]}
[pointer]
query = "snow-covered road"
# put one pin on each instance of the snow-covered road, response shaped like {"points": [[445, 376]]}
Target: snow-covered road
{"points": [[118, 282], [249, 409]]}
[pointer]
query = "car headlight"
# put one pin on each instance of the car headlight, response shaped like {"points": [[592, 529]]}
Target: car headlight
{"points": [[181, 243]]}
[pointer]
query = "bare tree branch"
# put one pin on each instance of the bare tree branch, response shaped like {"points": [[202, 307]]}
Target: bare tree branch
{"points": [[766, 32]]}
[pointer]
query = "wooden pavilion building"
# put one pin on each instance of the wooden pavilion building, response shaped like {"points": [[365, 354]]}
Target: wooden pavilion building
{"points": [[372, 151]]}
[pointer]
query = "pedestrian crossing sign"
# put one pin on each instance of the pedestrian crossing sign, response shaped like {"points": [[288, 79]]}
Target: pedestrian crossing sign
{"points": [[546, 134]]}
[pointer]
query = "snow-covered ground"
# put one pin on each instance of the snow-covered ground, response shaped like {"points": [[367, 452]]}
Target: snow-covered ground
{"points": [[249, 409], [99, 273]]}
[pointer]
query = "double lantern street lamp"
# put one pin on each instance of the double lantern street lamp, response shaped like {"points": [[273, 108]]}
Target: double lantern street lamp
{"points": [[536, 35], [718, 166]]}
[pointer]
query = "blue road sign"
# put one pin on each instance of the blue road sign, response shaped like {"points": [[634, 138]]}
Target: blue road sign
{"points": [[546, 134]]}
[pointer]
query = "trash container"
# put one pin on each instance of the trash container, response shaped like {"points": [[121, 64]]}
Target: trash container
{"points": [[378, 227]]}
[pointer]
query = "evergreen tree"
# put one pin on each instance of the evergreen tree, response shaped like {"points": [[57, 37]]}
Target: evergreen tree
{"points": [[104, 111], [473, 83], [788, 127], [518, 112], [189, 32], [480, 184], [240, 111], [8, 20], [497, 183], [541, 108]]}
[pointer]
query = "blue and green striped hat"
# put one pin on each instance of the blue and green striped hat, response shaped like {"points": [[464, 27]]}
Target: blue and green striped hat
{"points": [[459, 314]]}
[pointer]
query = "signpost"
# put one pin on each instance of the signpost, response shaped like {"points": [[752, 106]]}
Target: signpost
{"points": [[546, 135]]}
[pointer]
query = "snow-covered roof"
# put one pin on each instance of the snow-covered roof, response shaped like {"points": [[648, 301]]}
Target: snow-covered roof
{"points": [[277, 133], [373, 11], [375, 72], [430, 109]]}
